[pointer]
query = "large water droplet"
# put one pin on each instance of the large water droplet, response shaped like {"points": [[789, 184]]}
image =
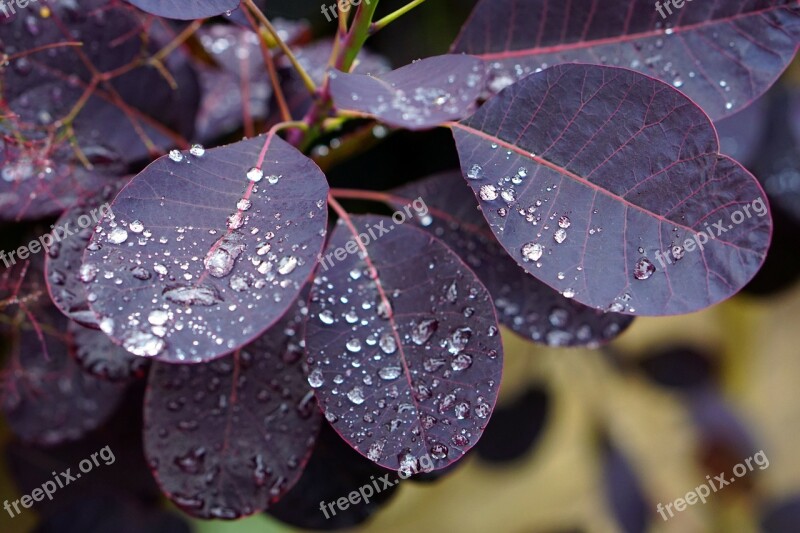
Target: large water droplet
{"points": [[643, 269], [532, 251]]}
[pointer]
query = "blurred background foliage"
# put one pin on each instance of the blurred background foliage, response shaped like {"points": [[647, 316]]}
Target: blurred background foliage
{"points": [[584, 440]]}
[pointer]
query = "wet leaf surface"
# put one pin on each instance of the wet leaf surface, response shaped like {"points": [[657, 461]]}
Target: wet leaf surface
{"points": [[101, 358], [592, 177], [227, 438], [207, 249], [524, 304], [64, 256], [722, 54], [421, 95], [403, 346]]}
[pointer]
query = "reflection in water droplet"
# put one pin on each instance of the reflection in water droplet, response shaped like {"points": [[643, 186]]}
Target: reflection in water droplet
{"points": [[643, 269], [532, 251]]}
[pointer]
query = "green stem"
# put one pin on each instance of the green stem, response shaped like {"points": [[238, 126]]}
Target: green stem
{"points": [[391, 17], [359, 32]]}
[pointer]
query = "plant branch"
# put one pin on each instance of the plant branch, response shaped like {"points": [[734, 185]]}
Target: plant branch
{"points": [[388, 19], [307, 81]]}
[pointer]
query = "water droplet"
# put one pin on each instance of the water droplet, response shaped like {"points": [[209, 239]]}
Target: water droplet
{"points": [[143, 344], [326, 317], [255, 174], [287, 265], [532, 251], [423, 331], [222, 257], [197, 150], [475, 172], [117, 236], [388, 343], [315, 378], [356, 395], [564, 222], [643, 269], [390, 372], [560, 235], [488, 192], [88, 272], [176, 156], [353, 345]]}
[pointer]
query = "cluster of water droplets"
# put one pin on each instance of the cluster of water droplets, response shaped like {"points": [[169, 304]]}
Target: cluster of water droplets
{"points": [[423, 103], [252, 257], [270, 398], [389, 381]]}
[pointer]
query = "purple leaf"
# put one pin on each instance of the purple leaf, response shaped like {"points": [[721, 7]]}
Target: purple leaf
{"points": [[206, 250], [524, 304], [122, 119], [418, 96], [403, 346], [64, 257], [101, 358], [722, 54], [227, 438], [596, 180], [314, 59], [185, 10], [47, 398], [37, 182], [241, 74]]}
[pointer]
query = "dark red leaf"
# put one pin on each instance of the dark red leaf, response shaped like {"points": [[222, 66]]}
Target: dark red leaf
{"points": [[38, 181], [418, 96], [403, 346], [64, 257], [238, 87], [722, 54], [124, 118], [46, 396], [314, 59], [524, 304], [200, 258], [595, 178], [229, 437], [186, 10], [101, 358]]}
